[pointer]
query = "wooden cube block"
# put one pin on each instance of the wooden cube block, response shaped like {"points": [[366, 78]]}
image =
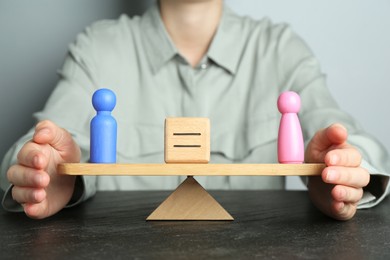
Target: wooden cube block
{"points": [[187, 140]]}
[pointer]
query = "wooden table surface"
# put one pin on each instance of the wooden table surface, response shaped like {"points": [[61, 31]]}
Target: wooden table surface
{"points": [[268, 224]]}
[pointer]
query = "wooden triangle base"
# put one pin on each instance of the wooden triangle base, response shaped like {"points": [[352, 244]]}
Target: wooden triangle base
{"points": [[190, 201]]}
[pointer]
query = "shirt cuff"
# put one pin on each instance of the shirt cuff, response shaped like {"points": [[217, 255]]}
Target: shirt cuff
{"points": [[377, 189], [8, 203], [85, 188]]}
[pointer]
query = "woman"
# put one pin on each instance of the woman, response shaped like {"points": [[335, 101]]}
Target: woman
{"points": [[190, 58]]}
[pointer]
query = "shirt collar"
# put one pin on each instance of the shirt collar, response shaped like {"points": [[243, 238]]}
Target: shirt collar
{"points": [[227, 45], [158, 45], [224, 49]]}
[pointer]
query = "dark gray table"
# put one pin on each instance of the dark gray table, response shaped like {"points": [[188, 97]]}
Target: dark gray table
{"points": [[268, 224]]}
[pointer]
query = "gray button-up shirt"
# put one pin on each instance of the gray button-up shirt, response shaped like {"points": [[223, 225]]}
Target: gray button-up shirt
{"points": [[236, 85]]}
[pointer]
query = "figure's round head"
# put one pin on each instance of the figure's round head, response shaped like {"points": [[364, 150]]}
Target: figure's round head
{"points": [[104, 100], [289, 102]]}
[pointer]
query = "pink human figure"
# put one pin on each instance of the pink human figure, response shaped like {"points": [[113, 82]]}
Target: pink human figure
{"points": [[290, 139]]}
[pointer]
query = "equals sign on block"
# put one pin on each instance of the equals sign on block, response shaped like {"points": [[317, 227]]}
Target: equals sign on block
{"points": [[187, 145], [187, 140]]}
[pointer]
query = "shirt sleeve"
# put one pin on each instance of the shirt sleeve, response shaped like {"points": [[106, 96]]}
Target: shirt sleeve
{"points": [[319, 110], [69, 106]]}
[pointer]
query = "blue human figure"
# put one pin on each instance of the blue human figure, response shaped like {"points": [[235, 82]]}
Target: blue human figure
{"points": [[103, 128]]}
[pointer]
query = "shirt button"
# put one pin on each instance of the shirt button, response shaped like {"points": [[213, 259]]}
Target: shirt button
{"points": [[203, 66]]}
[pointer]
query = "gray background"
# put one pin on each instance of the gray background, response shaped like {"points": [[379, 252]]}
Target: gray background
{"points": [[351, 38]]}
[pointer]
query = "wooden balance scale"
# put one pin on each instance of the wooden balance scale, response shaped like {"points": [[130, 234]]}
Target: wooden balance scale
{"points": [[187, 152]]}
